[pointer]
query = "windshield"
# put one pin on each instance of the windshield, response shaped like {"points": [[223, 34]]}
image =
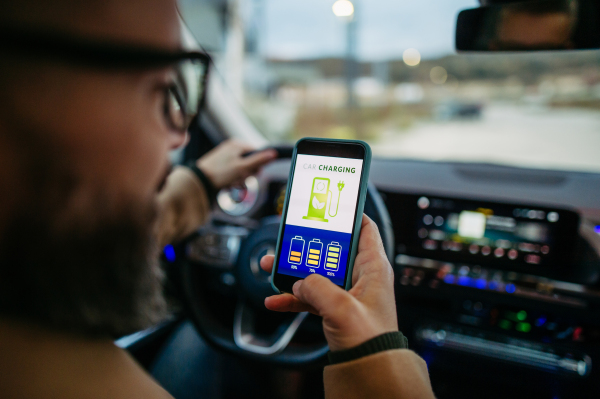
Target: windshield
{"points": [[388, 74]]}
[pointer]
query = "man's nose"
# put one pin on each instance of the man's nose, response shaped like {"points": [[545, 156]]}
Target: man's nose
{"points": [[177, 139]]}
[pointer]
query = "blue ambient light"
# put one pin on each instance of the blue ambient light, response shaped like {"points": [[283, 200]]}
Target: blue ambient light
{"points": [[510, 288], [464, 280], [481, 283], [169, 252]]}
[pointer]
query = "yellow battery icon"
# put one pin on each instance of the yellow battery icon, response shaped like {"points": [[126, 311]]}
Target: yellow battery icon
{"points": [[296, 250], [332, 261], [315, 247]]}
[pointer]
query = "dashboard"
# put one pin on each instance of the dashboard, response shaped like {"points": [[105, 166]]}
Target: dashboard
{"points": [[495, 266]]}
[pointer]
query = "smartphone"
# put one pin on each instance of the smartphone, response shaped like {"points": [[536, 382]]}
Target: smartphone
{"points": [[322, 213]]}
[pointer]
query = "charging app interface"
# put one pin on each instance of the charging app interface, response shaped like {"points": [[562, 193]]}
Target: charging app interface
{"points": [[320, 217]]}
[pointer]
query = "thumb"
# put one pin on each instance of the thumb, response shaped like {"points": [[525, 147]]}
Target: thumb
{"points": [[320, 293]]}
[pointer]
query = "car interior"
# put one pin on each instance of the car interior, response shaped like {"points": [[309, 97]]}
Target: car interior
{"points": [[485, 184]]}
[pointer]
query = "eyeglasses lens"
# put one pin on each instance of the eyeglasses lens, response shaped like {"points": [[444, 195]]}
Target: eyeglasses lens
{"points": [[185, 94]]}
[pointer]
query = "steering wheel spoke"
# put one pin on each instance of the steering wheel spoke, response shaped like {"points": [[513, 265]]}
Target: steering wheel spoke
{"points": [[246, 338]]}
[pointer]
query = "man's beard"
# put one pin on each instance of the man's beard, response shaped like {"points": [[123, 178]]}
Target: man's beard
{"points": [[91, 269]]}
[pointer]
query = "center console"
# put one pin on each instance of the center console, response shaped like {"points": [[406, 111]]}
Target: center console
{"points": [[508, 286]]}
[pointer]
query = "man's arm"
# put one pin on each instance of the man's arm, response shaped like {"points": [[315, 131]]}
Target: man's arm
{"points": [[183, 206], [361, 325], [398, 373]]}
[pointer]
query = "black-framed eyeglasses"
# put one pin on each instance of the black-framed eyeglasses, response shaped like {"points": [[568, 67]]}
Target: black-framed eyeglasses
{"points": [[183, 98]]}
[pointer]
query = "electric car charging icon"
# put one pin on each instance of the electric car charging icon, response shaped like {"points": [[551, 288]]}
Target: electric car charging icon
{"points": [[319, 197]]}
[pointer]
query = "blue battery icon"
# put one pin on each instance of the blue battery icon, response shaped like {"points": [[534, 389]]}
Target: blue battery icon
{"points": [[332, 261], [315, 247], [296, 250]]}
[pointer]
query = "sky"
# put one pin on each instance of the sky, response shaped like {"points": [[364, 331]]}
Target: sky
{"points": [[296, 29]]}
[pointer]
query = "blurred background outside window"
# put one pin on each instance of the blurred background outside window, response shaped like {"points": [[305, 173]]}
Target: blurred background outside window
{"points": [[386, 72]]}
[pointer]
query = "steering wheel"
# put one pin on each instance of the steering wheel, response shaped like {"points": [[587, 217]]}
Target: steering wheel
{"points": [[224, 291]]}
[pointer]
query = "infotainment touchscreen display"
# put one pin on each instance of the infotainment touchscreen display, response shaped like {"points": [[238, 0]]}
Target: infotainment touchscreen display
{"points": [[503, 235]]}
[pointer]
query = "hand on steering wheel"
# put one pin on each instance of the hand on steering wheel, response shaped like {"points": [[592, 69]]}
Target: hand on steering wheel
{"points": [[353, 317], [226, 165]]}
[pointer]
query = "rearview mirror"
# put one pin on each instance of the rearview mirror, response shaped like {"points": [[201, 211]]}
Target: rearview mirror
{"points": [[530, 26]]}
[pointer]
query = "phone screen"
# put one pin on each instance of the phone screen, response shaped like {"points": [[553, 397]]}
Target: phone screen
{"points": [[317, 234]]}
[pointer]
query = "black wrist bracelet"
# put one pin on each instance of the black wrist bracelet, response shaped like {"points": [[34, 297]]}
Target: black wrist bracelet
{"points": [[211, 191], [383, 342]]}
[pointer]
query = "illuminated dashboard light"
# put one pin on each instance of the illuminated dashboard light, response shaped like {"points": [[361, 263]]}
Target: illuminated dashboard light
{"points": [[464, 280], [523, 327], [449, 279], [493, 285], [522, 315], [577, 334], [169, 252], [540, 321], [505, 324], [597, 229], [481, 283], [510, 288]]}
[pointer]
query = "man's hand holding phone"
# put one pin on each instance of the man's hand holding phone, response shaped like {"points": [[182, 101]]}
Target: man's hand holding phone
{"points": [[352, 317]]}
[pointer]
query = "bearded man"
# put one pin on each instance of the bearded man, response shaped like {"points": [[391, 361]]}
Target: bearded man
{"points": [[93, 96]]}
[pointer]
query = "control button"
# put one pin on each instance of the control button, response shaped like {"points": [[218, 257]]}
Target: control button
{"points": [[577, 334], [224, 254], [474, 248], [427, 220], [228, 279], [540, 321]]}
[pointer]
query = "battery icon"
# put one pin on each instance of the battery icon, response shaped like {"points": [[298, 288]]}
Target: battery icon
{"points": [[332, 262], [296, 250], [315, 247]]}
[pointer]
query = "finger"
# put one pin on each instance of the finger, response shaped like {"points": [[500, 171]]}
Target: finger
{"points": [[287, 303], [255, 161], [371, 259], [266, 263], [369, 235], [238, 147], [320, 293]]}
